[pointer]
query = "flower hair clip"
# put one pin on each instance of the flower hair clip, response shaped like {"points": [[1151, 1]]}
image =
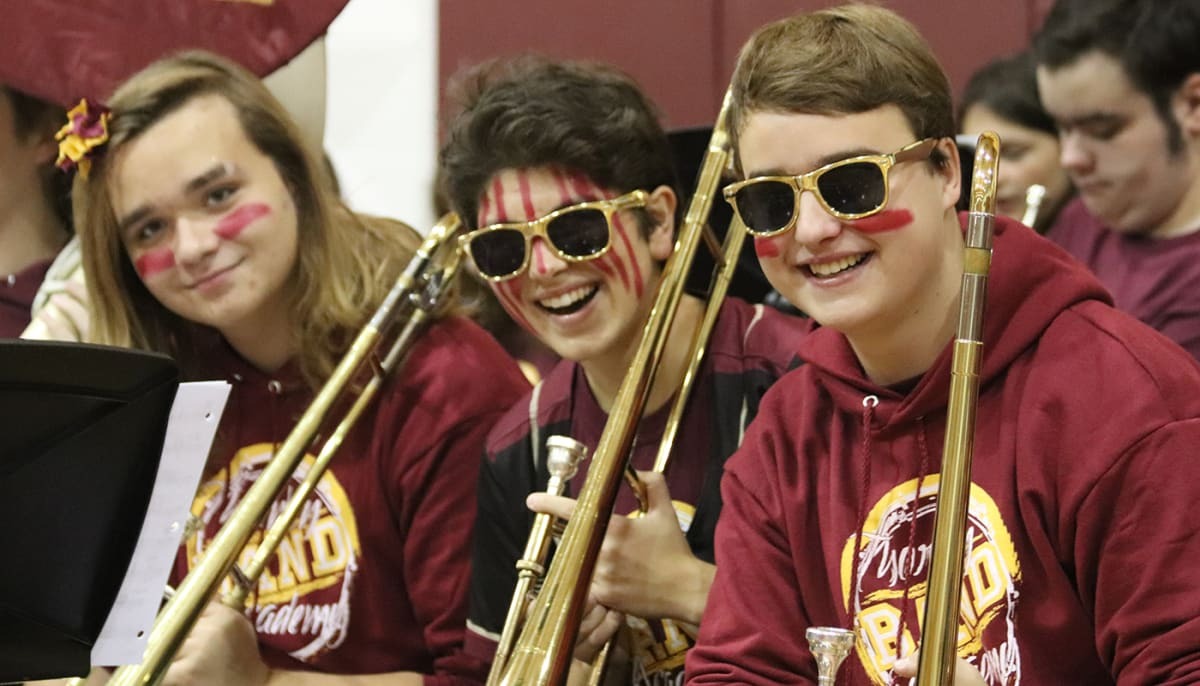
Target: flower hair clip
{"points": [[81, 138]]}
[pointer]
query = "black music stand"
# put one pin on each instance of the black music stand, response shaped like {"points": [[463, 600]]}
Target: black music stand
{"points": [[82, 434]]}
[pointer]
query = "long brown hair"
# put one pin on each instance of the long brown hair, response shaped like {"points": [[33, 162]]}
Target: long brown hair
{"points": [[346, 262]]}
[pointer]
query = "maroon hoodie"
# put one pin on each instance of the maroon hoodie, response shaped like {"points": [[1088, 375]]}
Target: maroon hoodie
{"points": [[1083, 555], [373, 575]]}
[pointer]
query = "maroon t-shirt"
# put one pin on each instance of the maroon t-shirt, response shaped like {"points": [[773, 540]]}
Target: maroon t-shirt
{"points": [[1155, 280], [16, 297], [372, 577]]}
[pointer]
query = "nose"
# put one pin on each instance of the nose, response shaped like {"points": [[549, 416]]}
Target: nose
{"points": [[543, 261], [813, 224], [195, 240], [1074, 155]]}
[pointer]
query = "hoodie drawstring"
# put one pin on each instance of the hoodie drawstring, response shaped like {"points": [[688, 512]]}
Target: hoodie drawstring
{"points": [[869, 403], [922, 471]]}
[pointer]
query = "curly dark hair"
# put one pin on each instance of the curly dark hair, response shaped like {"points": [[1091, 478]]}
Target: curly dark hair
{"points": [[531, 111]]}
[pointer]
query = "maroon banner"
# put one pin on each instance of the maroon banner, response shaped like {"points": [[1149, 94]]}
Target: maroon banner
{"points": [[63, 50]]}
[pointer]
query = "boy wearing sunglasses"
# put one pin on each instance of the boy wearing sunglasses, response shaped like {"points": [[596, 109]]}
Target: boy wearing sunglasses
{"points": [[1082, 563], [565, 175]]}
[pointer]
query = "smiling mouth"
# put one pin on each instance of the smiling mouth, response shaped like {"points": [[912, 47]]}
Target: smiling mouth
{"points": [[826, 270], [208, 278], [569, 302]]}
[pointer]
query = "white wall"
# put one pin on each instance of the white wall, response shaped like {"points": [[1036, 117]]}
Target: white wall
{"points": [[380, 127]]}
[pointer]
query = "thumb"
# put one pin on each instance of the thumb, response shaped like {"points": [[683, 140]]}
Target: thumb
{"points": [[907, 665], [658, 496]]}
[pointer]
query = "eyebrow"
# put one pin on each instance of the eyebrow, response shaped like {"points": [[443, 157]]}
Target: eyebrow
{"points": [[821, 162], [217, 171], [1091, 118]]}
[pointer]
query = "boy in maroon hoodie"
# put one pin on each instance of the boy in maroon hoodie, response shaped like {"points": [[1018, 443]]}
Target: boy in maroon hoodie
{"points": [[1082, 558], [210, 232]]}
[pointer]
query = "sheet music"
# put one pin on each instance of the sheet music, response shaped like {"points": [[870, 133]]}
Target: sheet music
{"points": [[190, 430]]}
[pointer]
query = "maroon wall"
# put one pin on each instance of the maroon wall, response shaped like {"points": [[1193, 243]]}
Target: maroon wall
{"points": [[682, 51]]}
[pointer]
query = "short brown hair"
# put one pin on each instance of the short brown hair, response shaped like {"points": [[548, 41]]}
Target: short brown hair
{"points": [[346, 263], [842, 60]]}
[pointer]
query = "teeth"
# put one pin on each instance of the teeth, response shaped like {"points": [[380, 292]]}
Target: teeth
{"points": [[831, 268], [569, 298]]}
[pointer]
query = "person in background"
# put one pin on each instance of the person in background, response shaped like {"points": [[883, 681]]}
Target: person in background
{"points": [[1002, 97], [565, 176], [211, 233], [1121, 79], [1082, 564], [34, 217]]}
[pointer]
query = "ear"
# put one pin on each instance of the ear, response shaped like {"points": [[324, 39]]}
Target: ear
{"points": [[661, 207], [1186, 103], [950, 173]]}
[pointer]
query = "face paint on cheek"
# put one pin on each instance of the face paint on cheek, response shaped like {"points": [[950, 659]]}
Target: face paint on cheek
{"points": [[615, 264], [767, 247], [153, 262], [509, 295], [619, 226], [234, 223], [887, 220]]}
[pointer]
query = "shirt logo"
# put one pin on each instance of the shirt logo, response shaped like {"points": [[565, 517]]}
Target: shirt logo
{"points": [[302, 603], [894, 563]]}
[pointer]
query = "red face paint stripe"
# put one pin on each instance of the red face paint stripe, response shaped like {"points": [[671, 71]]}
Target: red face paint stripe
{"points": [[584, 188], [526, 195], [887, 220], [485, 207], [234, 223], [564, 195], [637, 271], [153, 262], [602, 265], [498, 192], [616, 263], [508, 293], [539, 256], [766, 247]]}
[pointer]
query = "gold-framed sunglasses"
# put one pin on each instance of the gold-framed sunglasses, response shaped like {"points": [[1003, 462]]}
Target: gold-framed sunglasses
{"points": [[852, 188], [576, 233]]}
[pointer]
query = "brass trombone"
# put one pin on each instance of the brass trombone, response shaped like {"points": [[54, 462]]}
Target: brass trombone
{"points": [[542, 653], [939, 631], [422, 286], [939, 627]]}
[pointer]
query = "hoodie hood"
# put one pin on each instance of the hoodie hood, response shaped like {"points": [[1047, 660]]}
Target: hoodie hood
{"points": [[1031, 281]]}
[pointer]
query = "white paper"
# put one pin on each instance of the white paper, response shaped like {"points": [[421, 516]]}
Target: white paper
{"points": [[190, 430]]}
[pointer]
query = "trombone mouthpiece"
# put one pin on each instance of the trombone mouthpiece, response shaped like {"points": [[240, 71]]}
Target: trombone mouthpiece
{"points": [[983, 178], [829, 646]]}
